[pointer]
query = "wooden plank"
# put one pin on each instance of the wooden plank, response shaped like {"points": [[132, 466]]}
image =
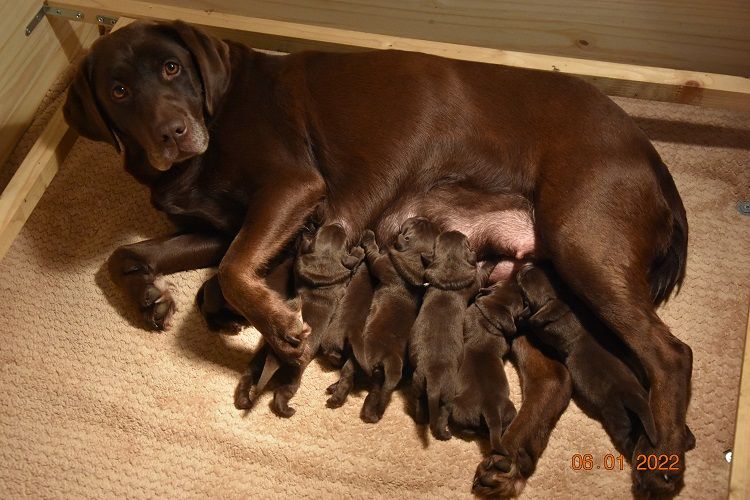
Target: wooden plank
{"points": [[661, 84], [32, 178], [739, 482], [30, 65], [697, 35], [36, 172]]}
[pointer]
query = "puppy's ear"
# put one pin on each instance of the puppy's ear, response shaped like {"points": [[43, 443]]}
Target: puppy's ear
{"points": [[212, 56], [82, 110], [500, 320], [409, 266]]}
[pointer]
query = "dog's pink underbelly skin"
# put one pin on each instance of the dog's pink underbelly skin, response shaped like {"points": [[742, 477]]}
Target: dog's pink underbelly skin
{"points": [[497, 225]]}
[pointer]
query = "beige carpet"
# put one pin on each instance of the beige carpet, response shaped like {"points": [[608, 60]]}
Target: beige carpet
{"points": [[94, 406]]}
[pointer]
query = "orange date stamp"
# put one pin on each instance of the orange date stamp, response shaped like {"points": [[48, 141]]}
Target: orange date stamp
{"points": [[617, 462]]}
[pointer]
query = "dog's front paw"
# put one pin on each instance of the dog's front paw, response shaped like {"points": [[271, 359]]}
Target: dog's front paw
{"points": [[498, 475], [157, 304], [289, 341]]}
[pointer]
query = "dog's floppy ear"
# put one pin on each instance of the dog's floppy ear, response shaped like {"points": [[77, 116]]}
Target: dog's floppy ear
{"points": [[82, 110], [408, 265], [448, 277], [212, 57]]}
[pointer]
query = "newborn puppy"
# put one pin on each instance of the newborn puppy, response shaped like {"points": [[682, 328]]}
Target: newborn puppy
{"points": [[436, 337], [602, 381], [395, 305], [482, 392], [322, 269], [344, 340]]}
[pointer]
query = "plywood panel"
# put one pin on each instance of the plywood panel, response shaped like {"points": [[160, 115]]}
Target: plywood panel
{"points": [[618, 79], [699, 35], [29, 65]]}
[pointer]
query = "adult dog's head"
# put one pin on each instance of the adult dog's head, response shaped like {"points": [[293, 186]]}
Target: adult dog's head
{"points": [[150, 87]]}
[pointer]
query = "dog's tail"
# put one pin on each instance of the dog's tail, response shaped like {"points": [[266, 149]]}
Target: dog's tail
{"points": [[668, 269], [638, 404]]}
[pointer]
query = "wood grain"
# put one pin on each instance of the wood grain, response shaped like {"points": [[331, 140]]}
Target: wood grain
{"points": [[36, 172], [30, 65], [698, 35], [662, 84]]}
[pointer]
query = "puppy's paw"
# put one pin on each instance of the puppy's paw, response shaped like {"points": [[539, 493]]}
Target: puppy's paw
{"points": [[368, 238], [282, 409], [443, 434], [370, 413], [659, 481], [157, 304], [245, 394], [498, 476], [336, 401]]}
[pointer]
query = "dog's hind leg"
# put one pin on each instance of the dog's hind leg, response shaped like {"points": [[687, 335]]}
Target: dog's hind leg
{"points": [[546, 388], [621, 252]]}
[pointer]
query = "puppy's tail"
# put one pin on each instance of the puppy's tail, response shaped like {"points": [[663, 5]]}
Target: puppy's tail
{"points": [[668, 269], [638, 404]]}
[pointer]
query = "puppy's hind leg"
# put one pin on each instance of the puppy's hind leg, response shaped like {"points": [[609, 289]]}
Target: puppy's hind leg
{"points": [[440, 409], [369, 412], [245, 393], [340, 390], [286, 391]]}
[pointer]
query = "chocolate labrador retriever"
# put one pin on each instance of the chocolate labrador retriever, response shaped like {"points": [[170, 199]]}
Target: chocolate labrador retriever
{"points": [[239, 147]]}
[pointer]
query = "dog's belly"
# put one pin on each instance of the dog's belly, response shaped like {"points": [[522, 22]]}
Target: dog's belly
{"points": [[497, 225]]}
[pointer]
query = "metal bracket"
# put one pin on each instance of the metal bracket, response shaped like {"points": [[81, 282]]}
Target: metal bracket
{"points": [[72, 14]]}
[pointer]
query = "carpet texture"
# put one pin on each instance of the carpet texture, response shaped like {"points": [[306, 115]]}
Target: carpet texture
{"points": [[94, 406]]}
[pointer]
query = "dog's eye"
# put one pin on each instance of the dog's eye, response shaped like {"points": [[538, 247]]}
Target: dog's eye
{"points": [[171, 69], [119, 92]]}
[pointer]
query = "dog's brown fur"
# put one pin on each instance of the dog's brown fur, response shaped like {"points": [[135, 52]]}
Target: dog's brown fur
{"points": [[239, 147], [399, 273], [322, 270], [602, 382], [436, 337], [483, 392], [546, 389]]}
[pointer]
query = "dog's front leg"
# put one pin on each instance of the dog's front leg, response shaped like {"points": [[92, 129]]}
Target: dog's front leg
{"points": [[274, 216], [139, 270]]}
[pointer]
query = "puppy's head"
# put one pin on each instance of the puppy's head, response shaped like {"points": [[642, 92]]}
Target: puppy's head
{"points": [[413, 249], [501, 305], [149, 87], [536, 286], [453, 265], [323, 257]]}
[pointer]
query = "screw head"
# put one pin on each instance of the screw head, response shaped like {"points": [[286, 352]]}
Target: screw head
{"points": [[100, 19], [743, 207]]}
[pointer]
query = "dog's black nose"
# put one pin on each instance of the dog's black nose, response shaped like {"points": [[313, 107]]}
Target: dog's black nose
{"points": [[172, 130]]}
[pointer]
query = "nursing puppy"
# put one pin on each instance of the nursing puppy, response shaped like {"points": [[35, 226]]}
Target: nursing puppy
{"points": [[602, 381], [321, 270], [345, 335], [395, 304], [436, 337], [483, 392]]}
